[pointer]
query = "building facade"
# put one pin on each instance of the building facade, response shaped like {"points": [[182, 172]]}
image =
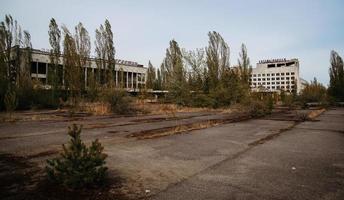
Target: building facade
{"points": [[129, 75], [276, 75]]}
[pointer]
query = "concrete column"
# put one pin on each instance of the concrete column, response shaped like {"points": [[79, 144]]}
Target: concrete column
{"points": [[127, 81], [132, 80], [36, 70], [116, 76], [46, 73], [137, 82], [85, 77]]}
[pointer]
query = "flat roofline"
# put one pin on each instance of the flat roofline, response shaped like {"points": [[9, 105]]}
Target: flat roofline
{"points": [[117, 61]]}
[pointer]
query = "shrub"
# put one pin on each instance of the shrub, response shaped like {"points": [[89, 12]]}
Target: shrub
{"points": [[79, 165], [10, 100], [258, 108], [119, 100]]}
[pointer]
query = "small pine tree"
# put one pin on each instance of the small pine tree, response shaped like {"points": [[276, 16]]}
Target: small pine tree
{"points": [[79, 165]]}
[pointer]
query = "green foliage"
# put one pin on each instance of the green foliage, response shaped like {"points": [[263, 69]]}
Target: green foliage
{"points": [[336, 87], [79, 165], [10, 100], [118, 99], [258, 108], [313, 92]]}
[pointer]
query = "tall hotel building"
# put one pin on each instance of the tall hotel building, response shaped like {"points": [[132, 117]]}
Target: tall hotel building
{"points": [[276, 75]]}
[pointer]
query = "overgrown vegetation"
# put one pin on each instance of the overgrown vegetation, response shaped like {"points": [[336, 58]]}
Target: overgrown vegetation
{"points": [[203, 77], [78, 166], [68, 80], [336, 72], [314, 92]]}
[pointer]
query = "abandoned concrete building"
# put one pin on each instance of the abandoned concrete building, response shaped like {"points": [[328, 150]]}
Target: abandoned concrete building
{"points": [[130, 75], [276, 75]]}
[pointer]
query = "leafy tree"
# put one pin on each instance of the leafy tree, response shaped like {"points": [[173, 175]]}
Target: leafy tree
{"points": [[176, 74], [195, 62], [83, 48], [54, 56], [105, 52], [313, 92], [79, 165], [336, 87], [71, 66], [217, 59], [151, 78]]}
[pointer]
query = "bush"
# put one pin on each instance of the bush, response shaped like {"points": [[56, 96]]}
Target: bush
{"points": [[201, 100], [10, 100], [258, 108], [79, 165], [119, 100]]}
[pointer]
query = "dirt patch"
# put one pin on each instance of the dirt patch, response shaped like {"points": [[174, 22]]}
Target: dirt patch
{"points": [[21, 179], [179, 129]]}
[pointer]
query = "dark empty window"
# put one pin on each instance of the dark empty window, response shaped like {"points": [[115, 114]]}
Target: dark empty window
{"points": [[271, 65], [42, 68], [34, 67], [290, 63]]}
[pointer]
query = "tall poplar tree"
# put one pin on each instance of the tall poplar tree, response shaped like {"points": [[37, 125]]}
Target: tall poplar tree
{"points": [[336, 71]]}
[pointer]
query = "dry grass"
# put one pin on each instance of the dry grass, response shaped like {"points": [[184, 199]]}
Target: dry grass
{"points": [[169, 109], [96, 108]]}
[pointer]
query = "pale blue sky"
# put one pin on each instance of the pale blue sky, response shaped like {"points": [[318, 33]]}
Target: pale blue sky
{"points": [[304, 29]]}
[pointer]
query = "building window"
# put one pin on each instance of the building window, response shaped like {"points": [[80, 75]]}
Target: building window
{"points": [[277, 83], [282, 82], [273, 79], [292, 78], [263, 74], [272, 74], [268, 79], [277, 78], [272, 83], [277, 74], [42, 68], [267, 74], [263, 79], [254, 75], [287, 73], [282, 74], [259, 79], [282, 78], [34, 68], [292, 73], [259, 75]]}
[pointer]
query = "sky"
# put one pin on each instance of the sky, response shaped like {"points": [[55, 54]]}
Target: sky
{"points": [[303, 29]]}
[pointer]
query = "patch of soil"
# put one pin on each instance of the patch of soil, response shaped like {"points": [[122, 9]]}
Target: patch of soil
{"points": [[21, 179]]}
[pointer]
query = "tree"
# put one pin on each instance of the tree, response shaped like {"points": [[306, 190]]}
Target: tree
{"points": [[105, 52], [244, 66], [195, 62], [55, 52], [313, 92], [71, 66], [79, 165], [336, 71], [217, 59], [83, 48], [151, 78], [176, 74]]}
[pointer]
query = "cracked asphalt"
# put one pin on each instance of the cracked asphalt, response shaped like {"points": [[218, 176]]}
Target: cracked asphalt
{"points": [[304, 162]]}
